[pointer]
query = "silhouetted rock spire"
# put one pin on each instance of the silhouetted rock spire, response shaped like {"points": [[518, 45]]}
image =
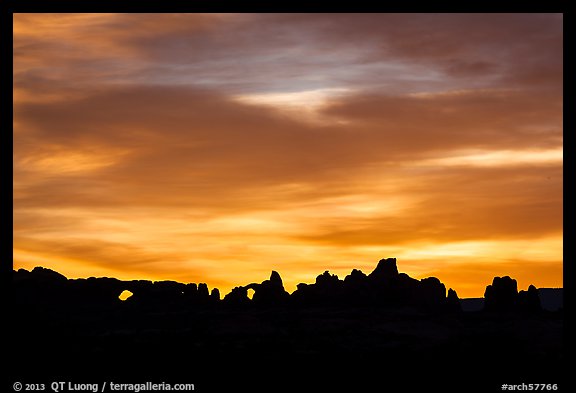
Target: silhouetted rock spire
{"points": [[386, 270], [215, 295], [357, 288], [529, 301], [276, 280], [433, 292], [501, 295], [453, 302], [203, 291], [269, 292], [355, 277]]}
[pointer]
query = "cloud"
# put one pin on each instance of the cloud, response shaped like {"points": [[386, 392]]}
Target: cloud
{"points": [[227, 143], [167, 146], [485, 118], [458, 206], [262, 53]]}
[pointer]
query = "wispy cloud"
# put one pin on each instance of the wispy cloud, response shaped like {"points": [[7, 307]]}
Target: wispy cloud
{"points": [[217, 147]]}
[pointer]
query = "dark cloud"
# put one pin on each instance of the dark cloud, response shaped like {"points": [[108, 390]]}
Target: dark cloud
{"points": [[277, 52]]}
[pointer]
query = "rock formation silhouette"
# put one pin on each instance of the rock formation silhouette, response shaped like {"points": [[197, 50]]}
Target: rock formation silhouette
{"points": [[238, 296], [453, 302], [215, 295], [269, 292], [383, 287], [502, 295], [529, 300], [408, 325]]}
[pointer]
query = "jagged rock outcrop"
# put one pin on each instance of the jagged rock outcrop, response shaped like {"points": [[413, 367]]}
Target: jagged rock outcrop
{"points": [[432, 292], [238, 296], [356, 277], [385, 271], [44, 286], [502, 295], [529, 301], [383, 287], [327, 290], [203, 293], [304, 294], [328, 284], [356, 288], [453, 301], [44, 274], [38, 274], [392, 289], [215, 295], [270, 292]]}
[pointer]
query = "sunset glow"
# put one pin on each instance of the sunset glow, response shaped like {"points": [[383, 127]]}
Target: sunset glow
{"points": [[218, 147]]}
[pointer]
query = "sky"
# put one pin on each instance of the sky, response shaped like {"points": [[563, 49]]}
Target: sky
{"points": [[218, 147]]}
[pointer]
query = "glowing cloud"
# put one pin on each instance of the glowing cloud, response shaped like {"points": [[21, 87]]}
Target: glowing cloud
{"points": [[215, 148]]}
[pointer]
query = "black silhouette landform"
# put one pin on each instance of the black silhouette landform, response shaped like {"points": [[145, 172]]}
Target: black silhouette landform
{"points": [[369, 330]]}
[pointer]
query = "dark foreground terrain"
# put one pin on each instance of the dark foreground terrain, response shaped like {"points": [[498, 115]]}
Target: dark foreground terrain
{"points": [[379, 332]]}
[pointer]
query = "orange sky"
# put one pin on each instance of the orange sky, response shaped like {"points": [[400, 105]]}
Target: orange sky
{"points": [[218, 147]]}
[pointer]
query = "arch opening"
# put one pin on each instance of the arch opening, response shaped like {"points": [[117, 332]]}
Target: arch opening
{"points": [[125, 295]]}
